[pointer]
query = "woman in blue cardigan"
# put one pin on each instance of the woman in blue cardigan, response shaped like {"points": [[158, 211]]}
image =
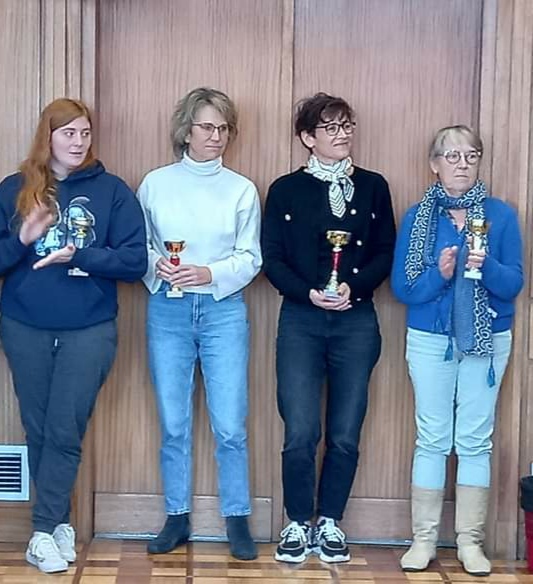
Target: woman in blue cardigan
{"points": [[458, 268]]}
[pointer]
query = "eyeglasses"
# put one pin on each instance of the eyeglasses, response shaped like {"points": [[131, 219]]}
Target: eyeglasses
{"points": [[209, 128], [454, 156], [333, 128]]}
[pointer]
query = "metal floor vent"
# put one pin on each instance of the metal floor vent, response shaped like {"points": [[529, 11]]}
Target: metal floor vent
{"points": [[14, 474]]}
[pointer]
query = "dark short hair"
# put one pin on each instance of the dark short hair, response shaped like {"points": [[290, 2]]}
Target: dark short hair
{"points": [[321, 108]]}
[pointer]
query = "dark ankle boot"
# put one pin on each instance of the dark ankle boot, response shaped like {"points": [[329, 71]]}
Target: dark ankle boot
{"points": [[241, 544], [174, 533]]}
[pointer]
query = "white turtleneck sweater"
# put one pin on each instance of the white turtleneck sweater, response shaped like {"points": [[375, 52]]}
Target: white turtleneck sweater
{"points": [[215, 210]]}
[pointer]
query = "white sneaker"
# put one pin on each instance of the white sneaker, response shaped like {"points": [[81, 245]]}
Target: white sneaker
{"points": [[330, 541], [295, 544], [65, 538], [43, 553]]}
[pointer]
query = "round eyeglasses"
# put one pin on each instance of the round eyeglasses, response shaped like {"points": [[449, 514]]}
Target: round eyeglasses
{"points": [[333, 128], [209, 128], [454, 156]]}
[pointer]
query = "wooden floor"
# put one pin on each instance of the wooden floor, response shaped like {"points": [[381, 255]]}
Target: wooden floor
{"points": [[125, 562]]}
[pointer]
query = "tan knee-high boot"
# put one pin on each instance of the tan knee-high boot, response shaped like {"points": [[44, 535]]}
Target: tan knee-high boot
{"points": [[426, 511], [471, 506]]}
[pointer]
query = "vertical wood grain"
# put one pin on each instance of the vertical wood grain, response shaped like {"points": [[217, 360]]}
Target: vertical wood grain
{"points": [[408, 66], [407, 70], [506, 124], [147, 60], [19, 110]]}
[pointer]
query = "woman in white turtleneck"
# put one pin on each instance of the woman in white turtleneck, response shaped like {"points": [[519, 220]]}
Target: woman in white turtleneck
{"points": [[196, 309]]}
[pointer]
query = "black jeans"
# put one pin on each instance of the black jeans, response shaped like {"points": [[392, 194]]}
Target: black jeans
{"points": [[313, 345], [57, 376]]}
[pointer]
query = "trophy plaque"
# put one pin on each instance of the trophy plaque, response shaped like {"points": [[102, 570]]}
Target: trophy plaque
{"points": [[477, 230], [338, 240], [81, 225], [174, 248]]}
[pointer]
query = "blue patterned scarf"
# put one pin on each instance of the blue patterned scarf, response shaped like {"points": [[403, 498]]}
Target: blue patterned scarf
{"points": [[470, 318]]}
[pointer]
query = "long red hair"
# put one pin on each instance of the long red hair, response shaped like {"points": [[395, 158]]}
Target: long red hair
{"points": [[39, 183]]}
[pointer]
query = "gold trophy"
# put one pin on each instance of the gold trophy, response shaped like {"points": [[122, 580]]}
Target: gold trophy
{"points": [[82, 225], [477, 234], [174, 248], [338, 239]]}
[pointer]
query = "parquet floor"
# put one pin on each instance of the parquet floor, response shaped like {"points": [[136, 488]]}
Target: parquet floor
{"points": [[125, 562]]}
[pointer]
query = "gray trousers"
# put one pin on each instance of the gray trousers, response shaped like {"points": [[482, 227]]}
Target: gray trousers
{"points": [[57, 375]]}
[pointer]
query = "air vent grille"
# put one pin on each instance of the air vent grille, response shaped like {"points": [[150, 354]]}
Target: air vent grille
{"points": [[14, 475]]}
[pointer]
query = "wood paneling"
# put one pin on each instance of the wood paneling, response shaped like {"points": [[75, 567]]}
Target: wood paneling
{"points": [[195, 43], [506, 123], [19, 110], [130, 514], [407, 70], [41, 58], [408, 67], [19, 80]]}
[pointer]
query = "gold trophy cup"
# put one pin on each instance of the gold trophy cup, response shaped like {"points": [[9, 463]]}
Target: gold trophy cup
{"points": [[174, 248], [338, 240], [82, 225], [477, 232]]}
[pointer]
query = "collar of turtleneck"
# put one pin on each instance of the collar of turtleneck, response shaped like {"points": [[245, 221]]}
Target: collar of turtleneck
{"points": [[202, 168]]}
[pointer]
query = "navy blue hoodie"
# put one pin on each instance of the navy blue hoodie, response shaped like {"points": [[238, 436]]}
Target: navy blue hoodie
{"points": [[100, 215]]}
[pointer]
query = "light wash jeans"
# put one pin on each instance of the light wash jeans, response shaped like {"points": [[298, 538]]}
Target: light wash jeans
{"points": [[181, 331], [454, 407]]}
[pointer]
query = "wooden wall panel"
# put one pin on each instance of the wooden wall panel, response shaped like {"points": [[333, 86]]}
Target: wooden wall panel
{"points": [[147, 60], [506, 120], [408, 66], [41, 58], [407, 70], [19, 109]]}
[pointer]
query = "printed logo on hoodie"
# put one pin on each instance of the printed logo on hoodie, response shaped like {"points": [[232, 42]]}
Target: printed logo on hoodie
{"points": [[74, 225]]}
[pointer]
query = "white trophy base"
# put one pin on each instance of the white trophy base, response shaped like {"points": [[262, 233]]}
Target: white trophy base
{"points": [[472, 274], [77, 272], [331, 294], [174, 294]]}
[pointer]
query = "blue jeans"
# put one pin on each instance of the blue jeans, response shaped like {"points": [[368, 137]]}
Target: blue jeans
{"points": [[57, 375], [314, 345], [181, 331], [454, 407]]}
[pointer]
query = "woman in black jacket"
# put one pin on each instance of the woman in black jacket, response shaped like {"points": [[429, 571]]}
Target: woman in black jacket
{"points": [[328, 241]]}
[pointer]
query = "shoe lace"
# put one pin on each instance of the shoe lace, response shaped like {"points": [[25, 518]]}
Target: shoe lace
{"points": [[45, 547], [295, 532], [330, 532]]}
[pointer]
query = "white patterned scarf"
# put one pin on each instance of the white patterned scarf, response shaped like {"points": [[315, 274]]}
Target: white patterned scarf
{"points": [[341, 188]]}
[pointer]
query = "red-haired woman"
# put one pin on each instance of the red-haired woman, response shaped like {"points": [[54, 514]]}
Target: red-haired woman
{"points": [[68, 231]]}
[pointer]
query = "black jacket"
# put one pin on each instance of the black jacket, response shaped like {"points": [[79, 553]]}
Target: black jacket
{"points": [[291, 232]]}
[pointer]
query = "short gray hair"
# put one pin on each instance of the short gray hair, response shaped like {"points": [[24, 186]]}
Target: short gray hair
{"points": [[464, 132], [187, 108]]}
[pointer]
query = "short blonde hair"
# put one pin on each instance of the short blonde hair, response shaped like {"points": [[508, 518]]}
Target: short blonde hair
{"points": [[187, 108], [437, 144]]}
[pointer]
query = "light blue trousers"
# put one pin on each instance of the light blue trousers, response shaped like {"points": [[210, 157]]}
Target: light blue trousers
{"points": [[454, 407], [180, 332]]}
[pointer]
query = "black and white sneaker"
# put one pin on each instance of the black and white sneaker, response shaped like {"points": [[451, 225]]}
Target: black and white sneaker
{"points": [[330, 542], [295, 544]]}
